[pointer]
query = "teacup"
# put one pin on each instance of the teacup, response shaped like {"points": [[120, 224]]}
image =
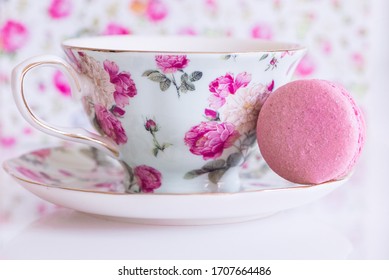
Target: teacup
{"points": [[179, 113]]}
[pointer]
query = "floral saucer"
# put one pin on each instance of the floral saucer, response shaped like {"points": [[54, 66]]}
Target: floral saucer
{"points": [[86, 180]]}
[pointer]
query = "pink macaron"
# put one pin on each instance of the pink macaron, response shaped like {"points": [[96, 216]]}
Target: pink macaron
{"points": [[311, 131]]}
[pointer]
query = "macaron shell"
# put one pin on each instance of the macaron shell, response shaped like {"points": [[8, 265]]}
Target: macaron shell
{"points": [[309, 132], [361, 127]]}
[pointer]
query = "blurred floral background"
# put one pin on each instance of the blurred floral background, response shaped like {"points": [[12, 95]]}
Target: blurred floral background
{"points": [[336, 33]]}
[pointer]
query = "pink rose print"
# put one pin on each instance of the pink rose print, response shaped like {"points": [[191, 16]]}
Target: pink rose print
{"points": [[42, 154], [209, 139], [272, 64], [148, 178], [124, 85], [152, 127], [13, 36], [118, 112], [270, 86], [103, 89], [29, 174], [60, 8], [217, 100], [156, 10], [211, 114], [115, 29], [171, 63], [242, 108], [110, 125], [222, 86], [111, 92], [61, 83]]}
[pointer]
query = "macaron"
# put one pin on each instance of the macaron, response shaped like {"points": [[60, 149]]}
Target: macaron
{"points": [[311, 131]]}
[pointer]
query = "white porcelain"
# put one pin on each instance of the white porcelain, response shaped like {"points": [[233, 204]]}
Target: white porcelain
{"points": [[86, 180], [179, 113]]}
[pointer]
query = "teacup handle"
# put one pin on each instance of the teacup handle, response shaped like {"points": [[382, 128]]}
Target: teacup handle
{"points": [[73, 134]]}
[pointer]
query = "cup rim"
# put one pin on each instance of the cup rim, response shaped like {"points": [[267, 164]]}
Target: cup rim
{"points": [[178, 44]]}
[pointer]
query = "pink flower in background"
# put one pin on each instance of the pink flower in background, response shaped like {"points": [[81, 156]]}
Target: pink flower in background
{"points": [[4, 78], [115, 29], [61, 83], [13, 36], [187, 31], [358, 59], [7, 142], [262, 31], [306, 66], [222, 86], [5, 217], [148, 178], [171, 63], [211, 5], [60, 8], [27, 131], [209, 139], [326, 47], [110, 125], [156, 10]]}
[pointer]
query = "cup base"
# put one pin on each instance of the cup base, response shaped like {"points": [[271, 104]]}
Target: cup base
{"points": [[176, 184]]}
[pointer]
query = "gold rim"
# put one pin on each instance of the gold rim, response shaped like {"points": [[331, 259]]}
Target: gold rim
{"points": [[293, 46]]}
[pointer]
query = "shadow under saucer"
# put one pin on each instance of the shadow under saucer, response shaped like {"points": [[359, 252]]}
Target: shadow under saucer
{"points": [[67, 234]]}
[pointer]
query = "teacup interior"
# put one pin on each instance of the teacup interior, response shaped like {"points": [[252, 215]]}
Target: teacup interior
{"points": [[177, 44]]}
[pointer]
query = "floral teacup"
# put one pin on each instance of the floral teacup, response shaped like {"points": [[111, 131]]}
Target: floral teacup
{"points": [[179, 113]]}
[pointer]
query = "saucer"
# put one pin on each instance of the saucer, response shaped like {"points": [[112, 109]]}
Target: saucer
{"points": [[86, 180]]}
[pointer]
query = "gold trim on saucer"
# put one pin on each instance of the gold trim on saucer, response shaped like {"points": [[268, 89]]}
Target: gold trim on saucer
{"points": [[7, 169]]}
